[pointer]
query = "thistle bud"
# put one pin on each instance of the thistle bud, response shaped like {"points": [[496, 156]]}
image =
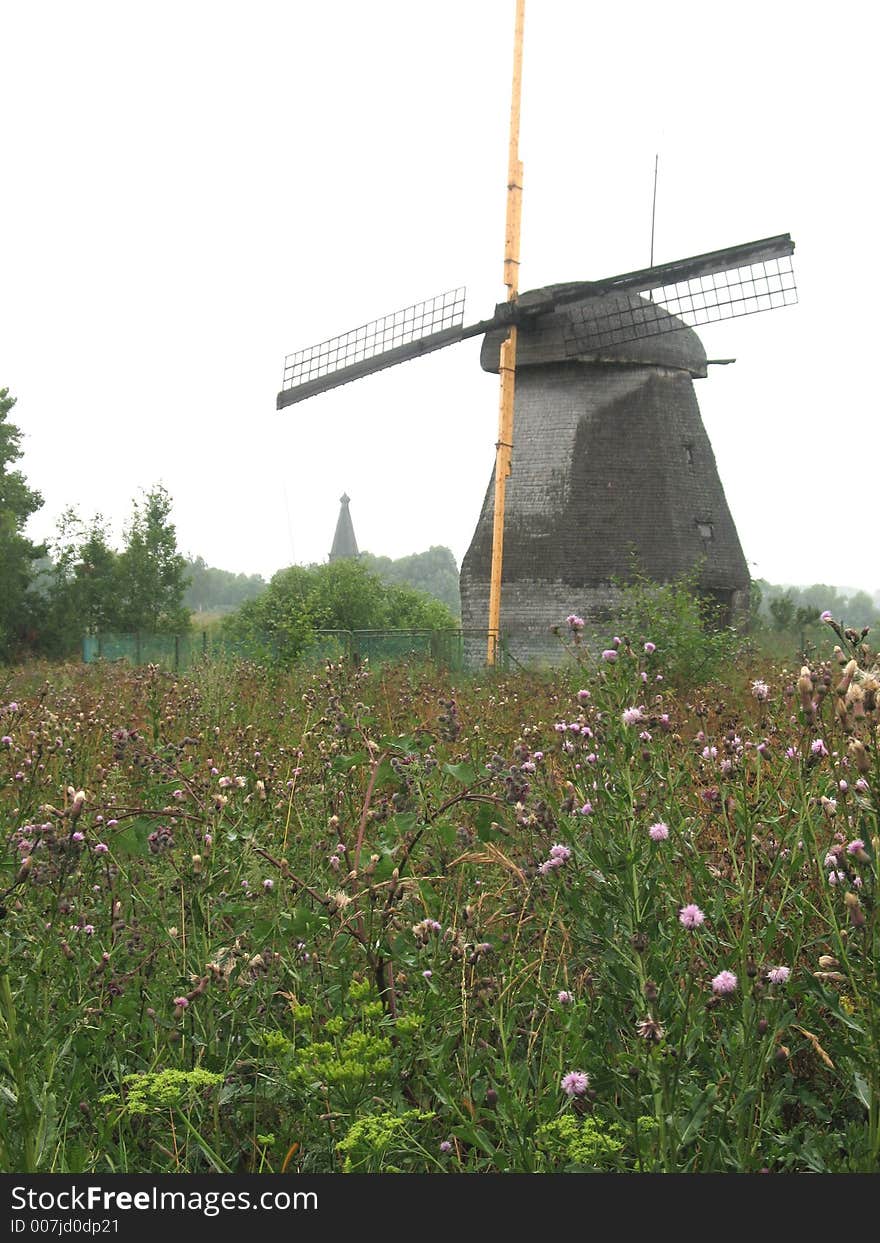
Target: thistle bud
{"points": [[855, 701], [827, 963], [859, 756], [856, 914], [848, 673], [197, 864]]}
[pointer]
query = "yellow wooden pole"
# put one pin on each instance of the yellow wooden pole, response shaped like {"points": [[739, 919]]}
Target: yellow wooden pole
{"points": [[504, 445]]}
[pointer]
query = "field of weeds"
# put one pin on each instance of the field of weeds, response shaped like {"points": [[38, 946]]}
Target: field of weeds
{"points": [[359, 920]]}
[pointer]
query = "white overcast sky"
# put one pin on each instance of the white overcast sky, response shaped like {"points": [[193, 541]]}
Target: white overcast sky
{"points": [[192, 190]]}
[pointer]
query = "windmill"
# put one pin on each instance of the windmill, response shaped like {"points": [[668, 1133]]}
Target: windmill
{"points": [[572, 339]]}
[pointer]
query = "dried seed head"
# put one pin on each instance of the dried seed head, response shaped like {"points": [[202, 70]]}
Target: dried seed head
{"points": [[649, 1029]]}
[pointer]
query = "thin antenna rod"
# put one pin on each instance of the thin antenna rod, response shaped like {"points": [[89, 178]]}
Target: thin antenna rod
{"points": [[653, 216], [654, 207], [504, 444]]}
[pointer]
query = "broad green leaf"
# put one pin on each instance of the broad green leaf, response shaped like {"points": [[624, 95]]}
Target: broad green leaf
{"points": [[465, 774]]}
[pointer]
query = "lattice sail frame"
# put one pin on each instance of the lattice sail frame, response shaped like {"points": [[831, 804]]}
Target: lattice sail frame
{"points": [[613, 319], [413, 330]]}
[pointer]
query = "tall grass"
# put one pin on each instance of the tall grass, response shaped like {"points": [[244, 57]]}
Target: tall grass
{"points": [[346, 920]]}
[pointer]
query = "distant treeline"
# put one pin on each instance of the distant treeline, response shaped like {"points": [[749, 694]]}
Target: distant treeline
{"points": [[210, 590], [220, 591], [792, 608]]}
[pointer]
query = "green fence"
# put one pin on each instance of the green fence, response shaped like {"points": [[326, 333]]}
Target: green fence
{"points": [[447, 649]]}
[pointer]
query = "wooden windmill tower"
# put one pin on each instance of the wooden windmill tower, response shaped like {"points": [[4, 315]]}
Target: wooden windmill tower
{"points": [[611, 452]]}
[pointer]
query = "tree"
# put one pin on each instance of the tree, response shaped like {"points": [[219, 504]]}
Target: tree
{"points": [[81, 585], [213, 590], [341, 595], [782, 610], [17, 553], [433, 572], [151, 572], [860, 610]]}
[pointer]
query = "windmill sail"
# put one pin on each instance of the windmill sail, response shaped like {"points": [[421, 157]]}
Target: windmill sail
{"points": [[722, 284], [703, 290], [395, 338]]}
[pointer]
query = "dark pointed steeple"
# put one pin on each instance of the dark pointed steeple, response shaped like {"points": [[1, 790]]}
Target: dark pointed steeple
{"points": [[344, 542]]}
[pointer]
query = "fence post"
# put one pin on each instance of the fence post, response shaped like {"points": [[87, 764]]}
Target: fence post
{"points": [[177, 653], [204, 643]]}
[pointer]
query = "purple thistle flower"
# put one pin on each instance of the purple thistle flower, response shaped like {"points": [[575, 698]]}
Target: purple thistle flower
{"points": [[658, 832], [583, 696], [609, 655], [826, 616], [724, 983], [855, 846], [564, 997], [182, 1002], [445, 1146], [760, 690], [650, 648], [631, 716], [691, 916], [100, 848], [575, 1083], [778, 975], [818, 748]]}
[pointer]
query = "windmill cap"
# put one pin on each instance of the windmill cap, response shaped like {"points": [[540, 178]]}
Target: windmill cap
{"points": [[543, 339]]}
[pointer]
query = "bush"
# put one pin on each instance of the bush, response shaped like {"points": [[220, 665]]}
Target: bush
{"points": [[342, 595], [684, 625]]}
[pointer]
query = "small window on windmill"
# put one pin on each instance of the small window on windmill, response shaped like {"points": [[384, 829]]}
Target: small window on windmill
{"points": [[706, 531], [689, 454]]}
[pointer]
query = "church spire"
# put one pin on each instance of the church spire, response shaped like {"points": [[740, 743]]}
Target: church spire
{"points": [[344, 542]]}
